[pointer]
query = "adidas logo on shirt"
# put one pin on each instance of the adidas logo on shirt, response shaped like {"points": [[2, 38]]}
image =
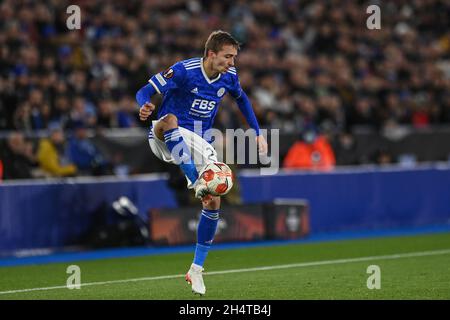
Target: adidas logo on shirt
{"points": [[195, 90]]}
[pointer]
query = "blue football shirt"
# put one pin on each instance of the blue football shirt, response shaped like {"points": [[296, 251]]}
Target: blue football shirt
{"points": [[190, 95]]}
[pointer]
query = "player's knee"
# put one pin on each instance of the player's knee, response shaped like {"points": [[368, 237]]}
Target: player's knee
{"points": [[213, 204], [170, 121]]}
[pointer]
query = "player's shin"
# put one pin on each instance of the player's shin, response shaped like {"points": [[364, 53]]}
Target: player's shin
{"points": [[205, 235], [180, 152]]}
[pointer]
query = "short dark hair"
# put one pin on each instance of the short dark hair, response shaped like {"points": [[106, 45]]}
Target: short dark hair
{"points": [[217, 39]]}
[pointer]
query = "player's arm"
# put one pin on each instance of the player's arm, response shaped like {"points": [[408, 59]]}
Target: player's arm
{"points": [[245, 106], [143, 97], [159, 83]]}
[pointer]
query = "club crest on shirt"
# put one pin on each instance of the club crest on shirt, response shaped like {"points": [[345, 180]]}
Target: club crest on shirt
{"points": [[221, 92], [168, 73]]}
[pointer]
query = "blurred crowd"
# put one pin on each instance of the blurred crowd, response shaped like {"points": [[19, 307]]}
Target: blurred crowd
{"points": [[303, 63]]}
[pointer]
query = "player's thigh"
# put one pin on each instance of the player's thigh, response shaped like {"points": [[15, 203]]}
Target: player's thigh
{"points": [[202, 152]]}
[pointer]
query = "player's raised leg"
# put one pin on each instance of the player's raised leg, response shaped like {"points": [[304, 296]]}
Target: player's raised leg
{"points": [[168, 131], [205, 235]]}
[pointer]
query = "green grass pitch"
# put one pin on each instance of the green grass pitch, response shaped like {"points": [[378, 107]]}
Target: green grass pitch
{"points": [[413, 267]]}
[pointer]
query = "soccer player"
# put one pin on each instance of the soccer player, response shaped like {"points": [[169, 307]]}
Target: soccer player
{"points": [[192, 90]]}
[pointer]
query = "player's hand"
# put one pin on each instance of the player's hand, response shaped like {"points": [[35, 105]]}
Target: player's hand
{"points": [[262, 145], [146, 110]]}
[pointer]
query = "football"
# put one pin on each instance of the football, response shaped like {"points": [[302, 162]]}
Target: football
{"points": [[218, 178]]}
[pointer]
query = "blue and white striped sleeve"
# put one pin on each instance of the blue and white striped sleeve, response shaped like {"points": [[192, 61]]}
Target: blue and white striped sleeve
{"points": [[171, 78]]}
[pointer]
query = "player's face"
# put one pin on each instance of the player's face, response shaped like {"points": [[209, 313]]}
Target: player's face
{"points": [[224, 59]]}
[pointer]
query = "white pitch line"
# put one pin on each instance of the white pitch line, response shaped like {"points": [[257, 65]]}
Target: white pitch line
{"points": [[96, 283], [283, 266]]}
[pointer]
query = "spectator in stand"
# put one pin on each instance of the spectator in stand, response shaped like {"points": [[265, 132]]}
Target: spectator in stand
{"points": [[50, 154], [106, 117], [82, 111], [17, 157], [84, 154], [345, 149], [382, 156], [128, 114], [311, 152]]}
